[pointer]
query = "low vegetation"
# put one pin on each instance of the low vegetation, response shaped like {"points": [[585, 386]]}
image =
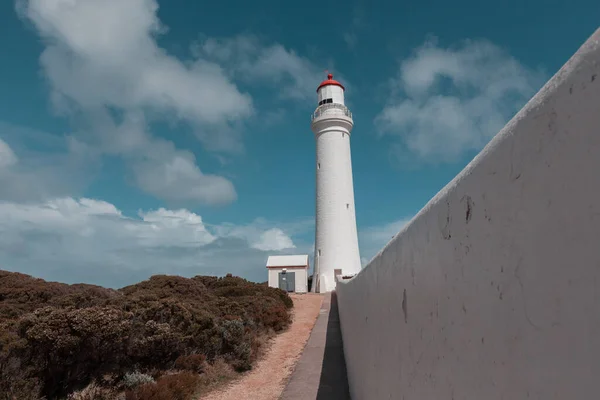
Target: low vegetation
{"points": [[167, 338]]}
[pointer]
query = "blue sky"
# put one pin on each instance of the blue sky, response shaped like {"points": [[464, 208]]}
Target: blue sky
{"points": [[146, 136]]}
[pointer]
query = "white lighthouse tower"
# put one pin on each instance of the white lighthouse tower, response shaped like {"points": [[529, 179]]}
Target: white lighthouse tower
{"points": [[336, 239]]}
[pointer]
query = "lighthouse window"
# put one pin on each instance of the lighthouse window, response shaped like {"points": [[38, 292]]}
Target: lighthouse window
{"points": [[324, 101], [318, 165]]}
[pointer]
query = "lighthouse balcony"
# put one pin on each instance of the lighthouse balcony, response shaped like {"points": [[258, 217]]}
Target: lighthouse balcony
{"points": [[333, 109]]}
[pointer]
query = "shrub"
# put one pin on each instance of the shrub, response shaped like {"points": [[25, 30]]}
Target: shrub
{"points": [[282, 295], [260, 344], [233, 332], [267, 312], [163, 286], [135, 379], [237, 349], [94, 392], [193, 363], [57, 338], [20, 294], [182, 386], [71, 346], [17, 384], [216, 374], [236, 291]]}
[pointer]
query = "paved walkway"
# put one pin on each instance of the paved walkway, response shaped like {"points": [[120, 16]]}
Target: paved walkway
{"points": [[321, 371]]}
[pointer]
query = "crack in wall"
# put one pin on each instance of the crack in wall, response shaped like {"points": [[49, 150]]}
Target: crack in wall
{"points": [[523, 297]]}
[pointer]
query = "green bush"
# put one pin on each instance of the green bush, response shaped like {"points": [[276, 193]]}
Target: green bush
{"points": [[134, 379]]}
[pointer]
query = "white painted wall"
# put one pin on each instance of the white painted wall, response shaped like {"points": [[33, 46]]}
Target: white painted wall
{"points": [[493, 290], [336, 239], [274, 277], [301, 278]]}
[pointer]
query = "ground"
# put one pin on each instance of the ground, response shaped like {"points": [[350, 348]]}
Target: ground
{"points": [[267, 379]]}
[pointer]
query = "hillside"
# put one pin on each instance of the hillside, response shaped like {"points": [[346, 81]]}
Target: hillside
{"points": [[164, 338]]}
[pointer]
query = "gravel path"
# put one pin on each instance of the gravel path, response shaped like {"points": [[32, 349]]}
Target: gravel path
{"points": [[267, 379]]}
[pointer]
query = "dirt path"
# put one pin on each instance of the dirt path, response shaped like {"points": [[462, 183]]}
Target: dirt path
{"points": [[267, 379]]}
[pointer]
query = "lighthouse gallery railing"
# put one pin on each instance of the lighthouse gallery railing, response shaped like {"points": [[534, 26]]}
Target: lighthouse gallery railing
{"points": [[325, 107]]}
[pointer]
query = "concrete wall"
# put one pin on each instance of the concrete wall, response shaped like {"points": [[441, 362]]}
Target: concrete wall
{"points": [[493, 290]]}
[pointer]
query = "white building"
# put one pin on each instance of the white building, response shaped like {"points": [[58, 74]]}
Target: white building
{"points": [[336, 239], [289, 273]]}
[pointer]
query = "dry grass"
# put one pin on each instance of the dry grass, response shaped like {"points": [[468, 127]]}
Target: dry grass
{"points": [[181, 386], [267, 379], [216, 376], [95, 392]]}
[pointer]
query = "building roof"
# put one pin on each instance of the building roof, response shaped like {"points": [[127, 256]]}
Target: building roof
{"points": [[330, 81], [288, 261]]}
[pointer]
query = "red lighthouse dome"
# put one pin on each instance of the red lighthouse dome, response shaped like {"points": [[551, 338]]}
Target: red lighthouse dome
{"points": [[330, 81]]}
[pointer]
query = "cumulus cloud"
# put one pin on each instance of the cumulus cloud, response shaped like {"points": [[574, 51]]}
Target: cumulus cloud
{"points": [[107, 72], [89, 240], [372, 239], [178, 178], [105, 53], [35, 165], [250, 61], [448, 101], [273, 239], [262, 236]]}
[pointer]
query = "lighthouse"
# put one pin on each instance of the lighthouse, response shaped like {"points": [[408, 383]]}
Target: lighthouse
{"points": [[336, 239]]}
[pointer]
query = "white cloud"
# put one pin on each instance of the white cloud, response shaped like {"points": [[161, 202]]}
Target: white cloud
{"points": [[167, 177], [102, 53], [7, 156], [272, 240], [89, 240], [107, 72], [249, 60], [261, 236], [35, 165], [374, 238], [446, 102]]}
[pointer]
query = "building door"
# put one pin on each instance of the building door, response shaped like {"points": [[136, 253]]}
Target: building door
{"points": [[291, 281], [282, 281], [287, 281]]}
